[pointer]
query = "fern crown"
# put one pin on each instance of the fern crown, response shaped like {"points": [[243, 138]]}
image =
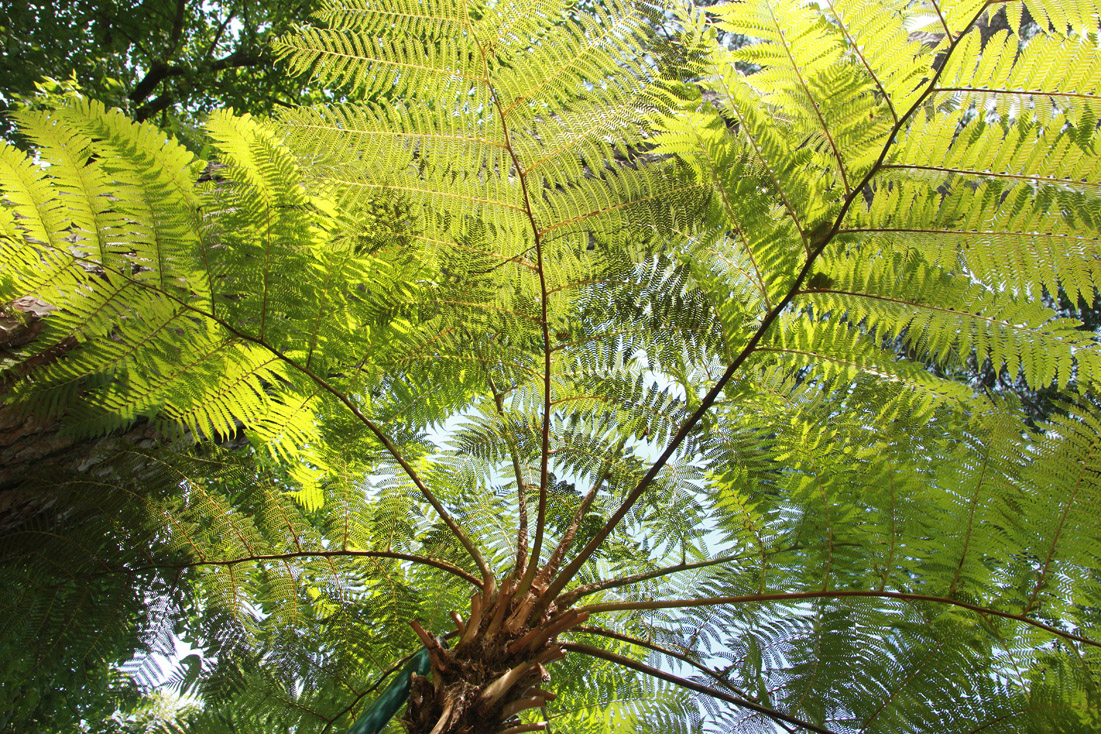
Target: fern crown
{"points": [[711, 325]]}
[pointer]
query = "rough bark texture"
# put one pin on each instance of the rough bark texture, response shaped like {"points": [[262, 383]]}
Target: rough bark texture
{"points": [[25, 441], [31, 443]]}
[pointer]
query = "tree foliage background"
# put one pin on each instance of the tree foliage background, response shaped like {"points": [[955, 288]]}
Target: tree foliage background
{"points": [[170, 61], [630, 349]]}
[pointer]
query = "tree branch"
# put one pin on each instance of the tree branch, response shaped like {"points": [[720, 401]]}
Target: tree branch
{"points": [[177, 29], [570, 597], [150, 109], [442, 565], [239, 57], [158, 72], [837, 594], [596, 652], [218, 34]]}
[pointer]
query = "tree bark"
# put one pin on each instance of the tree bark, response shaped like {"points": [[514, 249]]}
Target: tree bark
{"points": [[32, 443]]}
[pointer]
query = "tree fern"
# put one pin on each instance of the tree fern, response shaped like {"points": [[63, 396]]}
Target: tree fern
{"points": [[659, 348]]}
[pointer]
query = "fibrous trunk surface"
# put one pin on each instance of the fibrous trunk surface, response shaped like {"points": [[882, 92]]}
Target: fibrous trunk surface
{"points": [[497, 669]]}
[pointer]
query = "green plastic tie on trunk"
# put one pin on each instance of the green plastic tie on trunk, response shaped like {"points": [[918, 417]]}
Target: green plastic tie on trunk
{"points": [[390, 701]]}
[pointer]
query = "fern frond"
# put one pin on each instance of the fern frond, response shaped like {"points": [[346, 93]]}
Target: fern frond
{"points": [[377, 65], [902, 299], [39, 215], [421, 19], [1009, 76], [711, 319], [839, 351]]}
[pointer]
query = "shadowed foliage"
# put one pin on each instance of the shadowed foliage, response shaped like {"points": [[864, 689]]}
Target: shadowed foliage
{"points": [[168, 61]]}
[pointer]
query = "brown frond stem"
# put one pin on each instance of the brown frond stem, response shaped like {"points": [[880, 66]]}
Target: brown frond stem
{"points": [[817, 247], [683, 657], [527, 209], [460, 625], [566, 542], [473, 623], [612, 657], [521, 485], [541, 511], [538, 636], [501, 608], [442, 565], [570, 597], [478, 686], [837, 594]]}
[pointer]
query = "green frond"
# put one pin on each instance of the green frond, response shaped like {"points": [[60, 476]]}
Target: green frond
{"points": [[375, 65], [420, 19], [1078, 17], [39, 215], [839, 352], [878, 45], [949, 16], [86, 188], [553, 75], [160, 310], [1009, 76], [603, 697], [152, 186], [1063, 479], [907, 300]]}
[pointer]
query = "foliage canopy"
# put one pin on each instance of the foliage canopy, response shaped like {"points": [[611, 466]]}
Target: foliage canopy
{"points": [[161, 60], [656, 343]]}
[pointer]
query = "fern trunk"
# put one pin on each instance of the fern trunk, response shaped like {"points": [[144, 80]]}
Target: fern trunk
{"points": [[494, 672]]}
